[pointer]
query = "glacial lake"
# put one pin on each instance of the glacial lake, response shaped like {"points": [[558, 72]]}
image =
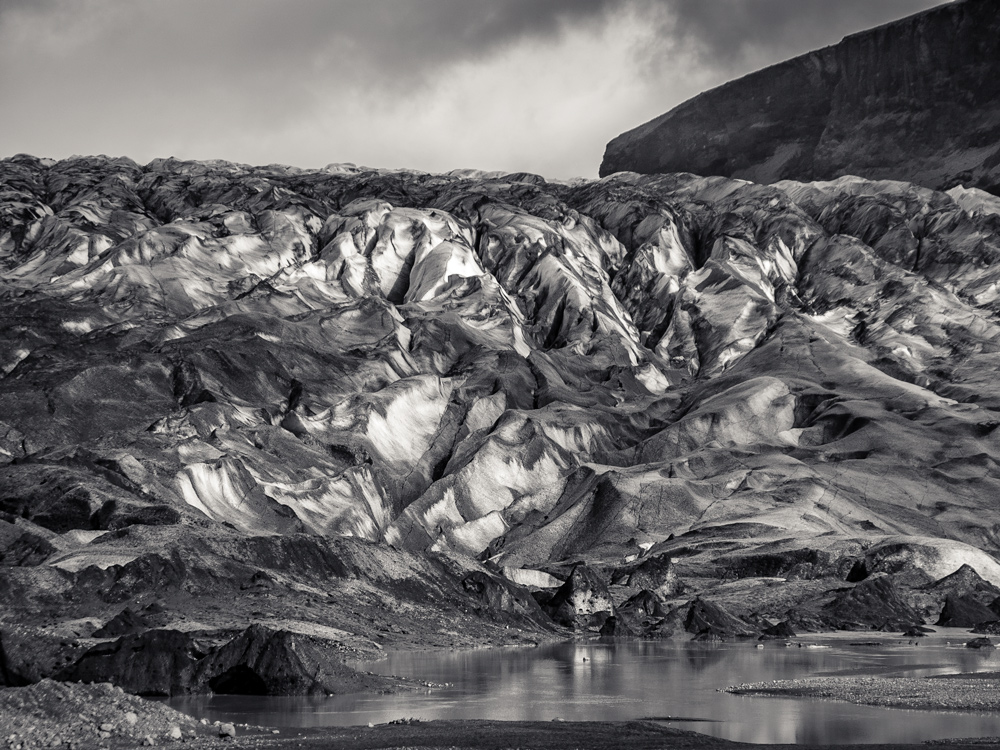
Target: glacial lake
{"points": [[678, 683]]}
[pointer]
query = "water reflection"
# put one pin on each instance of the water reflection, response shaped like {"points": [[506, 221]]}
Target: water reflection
{"points": [[700, 655], [634, 680]]}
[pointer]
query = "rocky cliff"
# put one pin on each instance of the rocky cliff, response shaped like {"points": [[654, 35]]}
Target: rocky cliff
{"points": [[914, 100]]}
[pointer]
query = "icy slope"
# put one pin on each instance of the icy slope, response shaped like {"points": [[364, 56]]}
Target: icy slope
{"points": [[497, 366]]}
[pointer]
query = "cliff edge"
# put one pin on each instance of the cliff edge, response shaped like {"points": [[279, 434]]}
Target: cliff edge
{"points": [[915, 100]]}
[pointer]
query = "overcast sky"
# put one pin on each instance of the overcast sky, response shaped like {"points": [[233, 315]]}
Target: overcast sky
{"points": [[534, 85]]}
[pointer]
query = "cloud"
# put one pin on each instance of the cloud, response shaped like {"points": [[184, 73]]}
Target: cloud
{"points": [[374, 39], [538, 85]]}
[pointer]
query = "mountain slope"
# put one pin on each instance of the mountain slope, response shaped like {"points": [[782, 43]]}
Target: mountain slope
{"points": [[912, 100]]}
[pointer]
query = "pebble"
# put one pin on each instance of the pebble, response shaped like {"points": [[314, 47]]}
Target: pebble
{"points": [[175, 733], [131, 718], [107, 727]]}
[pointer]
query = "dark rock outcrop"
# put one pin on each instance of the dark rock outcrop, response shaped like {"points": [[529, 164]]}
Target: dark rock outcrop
{"points": [[912, 100], [27, 656], [147, 573], [964, 612], [259, 582], [781, 629], [499, 598], [710, 621], [582, 601], [258, 661], [656, 574], [115, 515], [645, 604], [643, 614], [796, 563], [873, 604], [980, 643], [964, 583], [157, 662], [261, 661], [616, 627]]}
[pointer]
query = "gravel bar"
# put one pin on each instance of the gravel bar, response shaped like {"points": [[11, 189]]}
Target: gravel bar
{"points": [[958, 693]]}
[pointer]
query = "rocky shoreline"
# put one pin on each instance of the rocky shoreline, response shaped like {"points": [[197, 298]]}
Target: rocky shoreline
{"points": [[945, 693], [100, 716], [52, 714]]}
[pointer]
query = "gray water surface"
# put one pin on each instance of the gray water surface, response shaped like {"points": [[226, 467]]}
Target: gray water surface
{"points": [[678, 682]]}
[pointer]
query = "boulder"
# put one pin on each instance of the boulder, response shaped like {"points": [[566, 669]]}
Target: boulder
{"points": [[710, 621], [782, 629], [616, 627], [259, 582], [873, 604], [157, 662], [807, 619], [964, 612], [645, 604], [581, 600], [643, 614], [497, 596], [656, 574], [980, 643]]}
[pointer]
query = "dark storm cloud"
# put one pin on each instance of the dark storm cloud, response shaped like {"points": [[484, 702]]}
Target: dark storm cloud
{"points": [[728, 30], [379, 38], [394, 38], [295, 43], [418, 33]]}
